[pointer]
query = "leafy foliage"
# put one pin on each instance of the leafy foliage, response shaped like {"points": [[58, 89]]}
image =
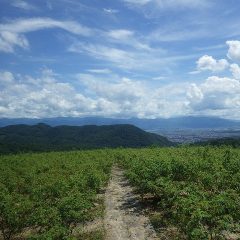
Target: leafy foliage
{"points": [[233, 142], [196, 188], [50, 193]]}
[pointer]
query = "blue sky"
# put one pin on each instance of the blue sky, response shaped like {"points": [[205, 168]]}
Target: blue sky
{"points": [[119, 58]]}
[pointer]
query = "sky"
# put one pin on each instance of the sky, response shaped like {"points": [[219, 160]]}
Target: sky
{"points": [[119, 58]]}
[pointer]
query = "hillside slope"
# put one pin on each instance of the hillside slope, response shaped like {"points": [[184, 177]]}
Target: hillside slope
{"points": [[42, 137]]}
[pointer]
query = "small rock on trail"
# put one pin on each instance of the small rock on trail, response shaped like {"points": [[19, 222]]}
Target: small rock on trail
{"points": [[124, 219]]}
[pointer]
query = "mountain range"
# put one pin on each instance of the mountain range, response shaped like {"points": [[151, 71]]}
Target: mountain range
{"points": [[146, 124]]}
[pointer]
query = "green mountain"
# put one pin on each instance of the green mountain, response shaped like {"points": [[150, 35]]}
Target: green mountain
{"points": [[42, 137]]}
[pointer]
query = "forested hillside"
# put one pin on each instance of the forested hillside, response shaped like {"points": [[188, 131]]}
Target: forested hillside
{"points": [[41, 137]]}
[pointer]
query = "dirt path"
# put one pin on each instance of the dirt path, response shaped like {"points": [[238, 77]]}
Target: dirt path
{"points": [[124, 219]]}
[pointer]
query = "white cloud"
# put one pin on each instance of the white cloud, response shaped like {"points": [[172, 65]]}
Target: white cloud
{"points": [[23, 5], [101, 92], [100, 71], [124, 89], [207, 62], [11, 33], [117, 56], [24, 96], [126, 37], [110, 10], [221, 84], [194, 93], [234, 50], [34, 24], [138, 2], [159, 78], [112, 95], [8, 40], [235, 69], [195, 27], [219, 96], [6, 77], [120, 34], [216, 96], [46, 96], [144, 60], [136, 98]]}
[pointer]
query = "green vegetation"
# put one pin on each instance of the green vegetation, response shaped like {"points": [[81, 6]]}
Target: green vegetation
{"points": [[194, 190], [46, 196], [43, 138], [233, 142]]}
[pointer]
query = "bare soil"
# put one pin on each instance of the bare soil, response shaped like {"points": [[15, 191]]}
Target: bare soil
{"points": [[124, 218]]}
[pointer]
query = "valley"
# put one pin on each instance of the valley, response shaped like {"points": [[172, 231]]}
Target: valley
{"points": [[190, 135]]}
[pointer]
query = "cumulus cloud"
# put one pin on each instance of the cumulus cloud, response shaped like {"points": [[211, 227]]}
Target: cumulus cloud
{"points": [[219, 96], [24, 96], [194, 94], [134, 98], [124, 89], [12, 33], [234, 50], [115, 96], [207, 62], [235, 69], [46, 96]]}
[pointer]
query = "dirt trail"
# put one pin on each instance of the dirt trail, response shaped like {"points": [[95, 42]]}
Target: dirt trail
{"points": [[124, 219]]}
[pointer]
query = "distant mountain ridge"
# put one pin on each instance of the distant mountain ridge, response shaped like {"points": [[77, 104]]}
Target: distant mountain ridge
{"points": [[146, 124], [42, 137]]}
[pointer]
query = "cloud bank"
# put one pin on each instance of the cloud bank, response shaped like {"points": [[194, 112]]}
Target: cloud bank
{"points": [[46, 96], [101, 92]]}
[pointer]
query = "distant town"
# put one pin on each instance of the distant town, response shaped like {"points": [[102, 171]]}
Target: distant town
{"points": [[194, 135]]}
